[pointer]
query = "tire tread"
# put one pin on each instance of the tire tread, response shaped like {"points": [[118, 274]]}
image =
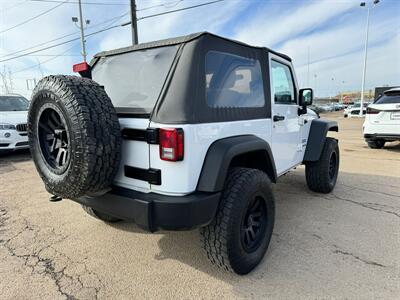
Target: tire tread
{"points": [[96, 130]]}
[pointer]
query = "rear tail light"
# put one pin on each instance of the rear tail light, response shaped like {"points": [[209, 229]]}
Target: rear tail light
{"points": [[372, 111], [81, 67], [171, 144]]}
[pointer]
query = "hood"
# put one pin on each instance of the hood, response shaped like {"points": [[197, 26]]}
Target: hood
{"points": [[311, 112], [13, 117]]}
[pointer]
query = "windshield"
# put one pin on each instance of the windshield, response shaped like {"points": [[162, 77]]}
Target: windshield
{"points": [[13, 103], [385, 99], [134, 80]]}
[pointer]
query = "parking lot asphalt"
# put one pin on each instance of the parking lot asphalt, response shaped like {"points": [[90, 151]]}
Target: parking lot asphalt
{"points": [[343, 245]]}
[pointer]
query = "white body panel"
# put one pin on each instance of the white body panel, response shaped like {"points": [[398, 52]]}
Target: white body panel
{"points": [[16, 138], [135, 154], [14, 141], [179, 178], [13, 117], [387, 121], [286, 138]]}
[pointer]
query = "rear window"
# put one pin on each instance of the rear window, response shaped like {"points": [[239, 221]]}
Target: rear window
{"points": [[388, 99], [233, 81], [13, 103], [134, 80]]}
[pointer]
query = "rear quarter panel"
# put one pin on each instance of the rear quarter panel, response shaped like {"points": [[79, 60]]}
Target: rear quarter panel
{"points": [[180, 178]]}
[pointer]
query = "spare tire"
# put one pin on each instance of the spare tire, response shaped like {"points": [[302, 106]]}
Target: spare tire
{"points": [[74, 136]]}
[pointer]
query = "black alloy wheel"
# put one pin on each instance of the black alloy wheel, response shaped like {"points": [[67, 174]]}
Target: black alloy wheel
{"points": [[332, 166], [254, 225], [54, 139]]}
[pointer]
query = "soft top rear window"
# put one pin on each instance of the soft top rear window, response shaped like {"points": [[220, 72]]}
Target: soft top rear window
{"points": [[134, 80]]}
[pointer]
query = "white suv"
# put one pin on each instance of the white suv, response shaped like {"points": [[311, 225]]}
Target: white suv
{"points": [[182, 133], [382, 120], [13, 122]]}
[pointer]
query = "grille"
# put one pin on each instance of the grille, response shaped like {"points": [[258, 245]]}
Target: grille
{"points": [[22, 127], [21, 144], [355, 112], [4, 145]]}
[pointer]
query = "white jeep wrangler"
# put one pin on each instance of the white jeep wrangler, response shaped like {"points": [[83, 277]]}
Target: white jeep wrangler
{"points": [[182, 133]]}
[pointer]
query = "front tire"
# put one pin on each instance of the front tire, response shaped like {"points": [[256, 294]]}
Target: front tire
{"points": [[321, 175], [238, 237], [376, 144]]}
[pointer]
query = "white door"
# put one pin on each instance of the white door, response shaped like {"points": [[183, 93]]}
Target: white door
{"points": [[286, 128]]}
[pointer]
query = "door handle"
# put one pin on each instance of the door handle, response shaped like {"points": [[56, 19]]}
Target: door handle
{"points": [[278, 118]]}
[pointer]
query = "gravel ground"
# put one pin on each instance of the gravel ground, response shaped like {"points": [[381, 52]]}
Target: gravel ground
{"points": [[343, 245]]}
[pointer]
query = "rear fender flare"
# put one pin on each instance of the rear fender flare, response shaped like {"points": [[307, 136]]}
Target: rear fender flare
{"points": [[220, 155]]}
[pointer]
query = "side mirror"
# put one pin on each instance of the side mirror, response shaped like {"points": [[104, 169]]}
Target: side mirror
{"points": [[305, 99]]}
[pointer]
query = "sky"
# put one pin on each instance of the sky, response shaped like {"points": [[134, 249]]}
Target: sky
{"points": [[324, 38]]}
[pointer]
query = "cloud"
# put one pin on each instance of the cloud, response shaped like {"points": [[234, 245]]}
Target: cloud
{"points": [[271, 26], [346, 70], [338, 51], [207, 18], [333, 31]]}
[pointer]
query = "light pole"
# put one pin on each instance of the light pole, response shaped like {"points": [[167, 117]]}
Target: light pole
{"points": [[315, 84], [341, 92], [82, 29], [363, 4]]}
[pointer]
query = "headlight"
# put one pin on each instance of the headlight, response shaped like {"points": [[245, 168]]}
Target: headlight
{"points": [[7, 126]]}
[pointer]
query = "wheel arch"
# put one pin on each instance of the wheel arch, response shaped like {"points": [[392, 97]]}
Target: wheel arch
{"points": [[238, 151], [316, 138]]}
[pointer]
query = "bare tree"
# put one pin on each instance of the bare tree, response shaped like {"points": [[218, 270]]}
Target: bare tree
{"points": [[6, 79]]}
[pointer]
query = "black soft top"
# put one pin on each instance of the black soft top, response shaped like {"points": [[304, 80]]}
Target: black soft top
{"points": [[181, 40], [182, 99]]}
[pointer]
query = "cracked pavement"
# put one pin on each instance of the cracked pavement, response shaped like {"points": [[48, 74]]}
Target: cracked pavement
{"points": [[343, 245]]}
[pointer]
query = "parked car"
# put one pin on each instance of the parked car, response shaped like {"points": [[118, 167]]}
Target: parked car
{"points": [[325, 108], [180, 134], [354, 110], [338, 106], [13, 120], [382, 120], [317, 109]]}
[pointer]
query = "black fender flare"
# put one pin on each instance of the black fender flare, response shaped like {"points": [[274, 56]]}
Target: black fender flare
{"points": [[316, 138], [220, 154]]}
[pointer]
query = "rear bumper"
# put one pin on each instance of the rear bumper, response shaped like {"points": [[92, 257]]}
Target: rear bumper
{"points": [[388, 137], [154, 211]]}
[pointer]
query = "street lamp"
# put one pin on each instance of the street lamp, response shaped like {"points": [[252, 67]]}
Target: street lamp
{"points": [[81, 28], [315, 84], [363, 4], [332, 87]]}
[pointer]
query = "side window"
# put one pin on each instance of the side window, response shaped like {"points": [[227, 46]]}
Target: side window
{"points": [[282, 84], [233, 81]]}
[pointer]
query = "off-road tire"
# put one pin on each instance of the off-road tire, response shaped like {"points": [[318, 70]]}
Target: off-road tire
{"points": [[376, 144], [222, 238], [93, 131], [100, 215], [318, 176]]}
